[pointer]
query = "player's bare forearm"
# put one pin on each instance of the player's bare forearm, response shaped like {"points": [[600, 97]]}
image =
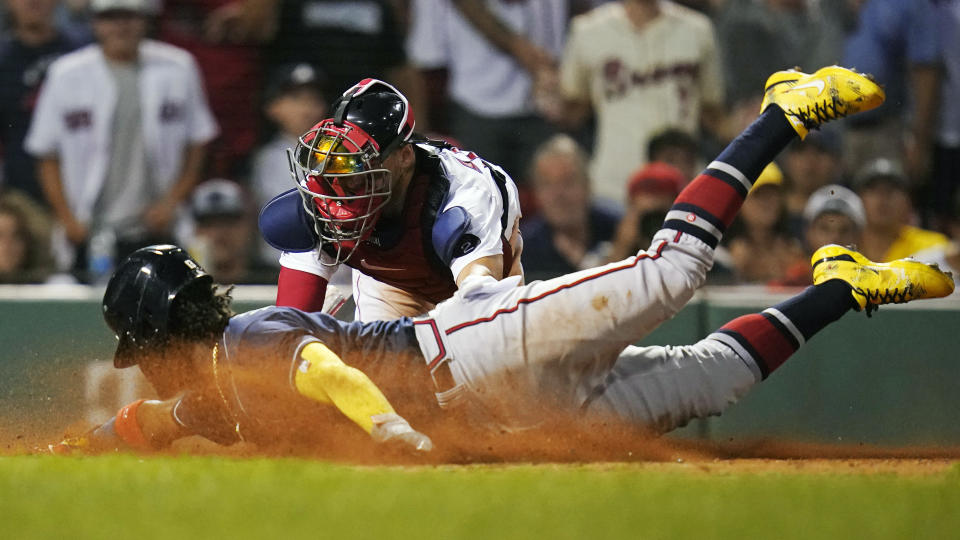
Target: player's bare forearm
{"points": [[493, 265], [485, 266], [516, 245]]}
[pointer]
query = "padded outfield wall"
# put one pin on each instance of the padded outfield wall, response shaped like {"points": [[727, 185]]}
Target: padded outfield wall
{"points": [[892, 380]]}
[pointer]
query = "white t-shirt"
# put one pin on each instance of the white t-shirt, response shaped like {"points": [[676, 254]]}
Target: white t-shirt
{"points": [[639, 82], [73, 118], [482, 78]]}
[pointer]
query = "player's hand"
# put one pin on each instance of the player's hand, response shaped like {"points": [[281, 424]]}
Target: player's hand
{"points": [[393, 429]]}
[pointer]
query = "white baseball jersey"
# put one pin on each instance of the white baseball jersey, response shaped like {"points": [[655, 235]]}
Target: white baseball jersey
{"points": [[639, 82], [563, 345], [75, 108], [472, 187]]}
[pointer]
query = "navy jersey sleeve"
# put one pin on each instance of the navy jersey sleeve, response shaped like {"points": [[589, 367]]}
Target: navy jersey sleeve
{"points": [[287, 328]]}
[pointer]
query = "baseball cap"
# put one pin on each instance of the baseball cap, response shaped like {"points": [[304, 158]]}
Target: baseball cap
{"points": [[218, 198], [836, 199], [290, 77], [656, 178], [145, 7], [771, 175], [881, 170]]}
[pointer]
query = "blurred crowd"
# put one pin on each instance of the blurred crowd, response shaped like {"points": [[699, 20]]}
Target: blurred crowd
{"points": [[130, 122]]}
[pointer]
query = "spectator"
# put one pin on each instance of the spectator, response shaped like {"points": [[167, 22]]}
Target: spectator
{"points": [[885, 189], [229, 60], [760, 245], [120, 129], [808, 165], [947, 256], [493, 53], [833, 215], [759, 37], [31, 44], [571, 232], [678, 148], [641, 66], [347, 41], [946, 153], [223, 241], [293, 102], [897, 43], [651, 192], [24, 250]]}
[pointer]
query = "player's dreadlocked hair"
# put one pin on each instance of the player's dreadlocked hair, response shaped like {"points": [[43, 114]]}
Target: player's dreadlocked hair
{"points": [[200, 312]]}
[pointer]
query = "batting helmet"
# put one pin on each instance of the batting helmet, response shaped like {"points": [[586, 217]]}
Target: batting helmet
{"points": [[136, 304], [338, 164]]}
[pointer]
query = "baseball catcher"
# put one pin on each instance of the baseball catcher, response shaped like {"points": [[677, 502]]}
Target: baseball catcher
{"points": [[497, 355], [413, 218]]}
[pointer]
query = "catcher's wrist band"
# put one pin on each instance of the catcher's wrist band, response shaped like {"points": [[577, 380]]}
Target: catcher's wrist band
{"points": [[128, 429]]}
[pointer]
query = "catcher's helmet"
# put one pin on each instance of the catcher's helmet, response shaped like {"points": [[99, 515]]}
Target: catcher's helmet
{"points": [[338, 164], [136, 304]]}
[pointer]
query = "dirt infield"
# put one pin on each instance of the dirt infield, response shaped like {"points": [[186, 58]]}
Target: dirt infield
{"points": [[561, 440], [598, 446]]}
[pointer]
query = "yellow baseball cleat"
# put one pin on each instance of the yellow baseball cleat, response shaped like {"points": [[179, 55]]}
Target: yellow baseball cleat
{"points": [[875, 284], [830, 93]]}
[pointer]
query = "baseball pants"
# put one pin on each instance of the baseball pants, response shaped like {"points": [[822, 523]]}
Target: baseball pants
{"points": [[518, 355]]}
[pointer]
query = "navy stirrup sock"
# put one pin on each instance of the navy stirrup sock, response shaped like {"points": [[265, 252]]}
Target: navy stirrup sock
{"points": [[770, 337], [707, 206]]}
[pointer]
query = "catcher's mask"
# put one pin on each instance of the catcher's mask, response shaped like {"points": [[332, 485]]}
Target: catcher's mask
{"points": [[136, 304], [338, 164]]}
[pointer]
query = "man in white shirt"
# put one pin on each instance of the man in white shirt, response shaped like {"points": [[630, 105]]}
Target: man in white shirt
{"points": [[493, 52], [642, 66], [119, 131]]}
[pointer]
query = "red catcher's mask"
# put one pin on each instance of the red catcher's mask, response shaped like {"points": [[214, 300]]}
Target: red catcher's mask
{"points": [[344, 186]]}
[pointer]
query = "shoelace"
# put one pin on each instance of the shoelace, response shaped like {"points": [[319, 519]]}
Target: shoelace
{"points": [[820, 112], [888, 296]]}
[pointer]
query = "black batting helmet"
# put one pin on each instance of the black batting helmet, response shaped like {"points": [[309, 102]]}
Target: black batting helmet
{"points": [[136, 304]]}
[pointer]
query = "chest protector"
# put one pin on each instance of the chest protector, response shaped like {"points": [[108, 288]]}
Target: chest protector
{"points": [[400, 251]]}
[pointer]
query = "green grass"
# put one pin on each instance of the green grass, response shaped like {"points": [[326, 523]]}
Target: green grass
{"points": [[126, 497]]}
